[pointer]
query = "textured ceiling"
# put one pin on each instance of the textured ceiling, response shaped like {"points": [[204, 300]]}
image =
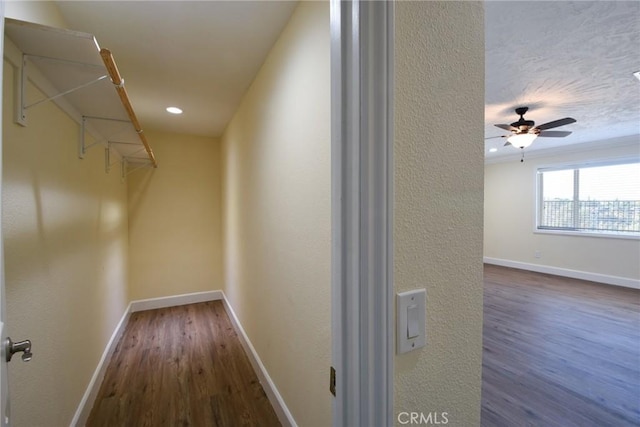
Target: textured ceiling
{"points": [[562, 59], [198, 55]]}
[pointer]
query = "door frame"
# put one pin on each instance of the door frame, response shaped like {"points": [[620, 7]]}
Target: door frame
{"points": [[4, 374], [362, 211]]}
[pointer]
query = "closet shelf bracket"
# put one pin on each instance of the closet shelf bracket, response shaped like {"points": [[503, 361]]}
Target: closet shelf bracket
{"points": [[24, 73], [107, 159], [127, 161], [123, 168], [82, 142], [141, 166], [126, 170]]}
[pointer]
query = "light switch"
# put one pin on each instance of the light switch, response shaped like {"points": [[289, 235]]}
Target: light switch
{"points": [[413, 328], [410, 320]]}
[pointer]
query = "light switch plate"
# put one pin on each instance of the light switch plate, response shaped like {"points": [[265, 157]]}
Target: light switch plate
{"points": [[411, 320]]}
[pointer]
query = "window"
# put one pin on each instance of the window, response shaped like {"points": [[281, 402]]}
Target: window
{"points": [[599, 198]]}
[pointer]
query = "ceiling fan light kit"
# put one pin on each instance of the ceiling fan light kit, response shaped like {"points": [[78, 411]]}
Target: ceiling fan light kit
{"points": [[522, 140], [524, 132]]}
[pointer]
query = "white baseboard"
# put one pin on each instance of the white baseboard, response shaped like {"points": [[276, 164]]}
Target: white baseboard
{"points": [[565, 272], [84, 408], [280, 408], [174, 300]]}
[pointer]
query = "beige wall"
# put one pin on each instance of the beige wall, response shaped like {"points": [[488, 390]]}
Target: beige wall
{"points": [[43, 12], [438, 202], [174, 219], [65, 235], [277, 217], [510, 203]]}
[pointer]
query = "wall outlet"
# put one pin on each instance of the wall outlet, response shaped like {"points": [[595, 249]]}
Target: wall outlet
{"points": [[537, 254]]}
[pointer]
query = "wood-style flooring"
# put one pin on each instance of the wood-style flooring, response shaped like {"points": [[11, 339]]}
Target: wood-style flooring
{"points": [[559, 352], [181, 366]]}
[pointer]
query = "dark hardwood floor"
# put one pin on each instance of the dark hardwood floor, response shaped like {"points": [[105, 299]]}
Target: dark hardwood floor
{"points": [[181, 366], [559, 352]]}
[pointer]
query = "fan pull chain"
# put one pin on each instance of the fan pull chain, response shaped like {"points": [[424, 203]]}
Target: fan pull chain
{"points": [[522, 158]]}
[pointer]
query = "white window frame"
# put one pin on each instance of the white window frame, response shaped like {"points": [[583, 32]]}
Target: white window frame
{"points": [[576, 165]]}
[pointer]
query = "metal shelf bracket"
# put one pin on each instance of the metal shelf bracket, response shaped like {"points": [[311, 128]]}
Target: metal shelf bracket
{"points": [[125, 161], [82, 147], [82, 144], [143, 166], [123, 168], [107, 158], [22, 84]]}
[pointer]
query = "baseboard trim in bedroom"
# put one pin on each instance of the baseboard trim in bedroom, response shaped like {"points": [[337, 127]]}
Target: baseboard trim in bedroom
{"points": [[565, 272]]}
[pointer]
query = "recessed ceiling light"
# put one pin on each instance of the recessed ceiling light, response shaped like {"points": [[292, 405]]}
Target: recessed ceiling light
{"points": [[493, 150], [174, 110], [637, 74]]}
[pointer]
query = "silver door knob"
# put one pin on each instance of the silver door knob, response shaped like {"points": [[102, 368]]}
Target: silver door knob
{"points": [[16, 347]]}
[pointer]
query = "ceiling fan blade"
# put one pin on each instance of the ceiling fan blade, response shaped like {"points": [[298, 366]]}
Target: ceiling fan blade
{"points": [[554, 133], [506, 143], [506, 127], [556, 123], [499, 136]]}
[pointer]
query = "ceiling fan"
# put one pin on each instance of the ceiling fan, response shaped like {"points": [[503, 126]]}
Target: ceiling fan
{"points": [[524, 132]]}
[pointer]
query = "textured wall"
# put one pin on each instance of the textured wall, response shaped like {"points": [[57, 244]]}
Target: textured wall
{"points": [[43, 12], [438, 202], [65, 234], [174, 219], [510, 209], [277, 214]]}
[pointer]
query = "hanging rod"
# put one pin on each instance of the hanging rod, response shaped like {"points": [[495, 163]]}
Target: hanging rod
{"points": [[118, 82]]}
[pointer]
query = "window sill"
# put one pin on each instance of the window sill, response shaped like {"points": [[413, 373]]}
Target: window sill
{"points": [[587, 234]]}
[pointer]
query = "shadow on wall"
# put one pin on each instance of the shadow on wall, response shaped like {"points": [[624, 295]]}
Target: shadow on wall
{"points": [[137, 197], [47, 227]]}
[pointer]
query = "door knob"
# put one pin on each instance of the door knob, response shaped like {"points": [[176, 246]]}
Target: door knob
{"points": [[16, 347]]}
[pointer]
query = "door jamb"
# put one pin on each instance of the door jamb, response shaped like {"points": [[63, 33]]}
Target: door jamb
{"points": [[362, 210], [5, 419]]}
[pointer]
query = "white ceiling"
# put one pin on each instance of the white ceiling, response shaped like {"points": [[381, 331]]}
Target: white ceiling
{"points": [[562, 59], [559, 58], [198, 55]]}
